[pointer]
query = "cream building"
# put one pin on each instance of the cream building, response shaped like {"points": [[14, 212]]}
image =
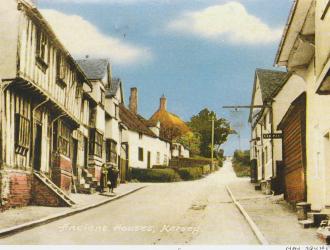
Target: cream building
{"points": [[304, 51], [146, 147], [262, 150]]}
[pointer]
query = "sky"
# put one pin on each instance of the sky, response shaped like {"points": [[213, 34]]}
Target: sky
{"points": [[198, 53]]}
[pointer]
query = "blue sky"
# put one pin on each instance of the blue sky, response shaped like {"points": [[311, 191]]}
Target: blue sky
{"points": [[198, 53]]}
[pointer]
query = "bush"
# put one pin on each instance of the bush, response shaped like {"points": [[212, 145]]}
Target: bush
{"points": [[241, 163], [159, 167], [155, 175], [242, 156], [191, 173], [206, 169]]}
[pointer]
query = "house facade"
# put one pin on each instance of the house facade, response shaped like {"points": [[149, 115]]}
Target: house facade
{"points": [[146, 147], [264, 153], [304, 50], [42, 106]]}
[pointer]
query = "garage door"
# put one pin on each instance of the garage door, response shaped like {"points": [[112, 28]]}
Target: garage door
{"points": [[293, 127]]}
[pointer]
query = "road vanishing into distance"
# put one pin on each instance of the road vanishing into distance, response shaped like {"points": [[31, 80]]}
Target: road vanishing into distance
{"points": [[193, 212]]}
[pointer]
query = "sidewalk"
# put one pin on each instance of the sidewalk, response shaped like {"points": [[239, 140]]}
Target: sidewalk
{"points": [[272, 215], [18, 219]]}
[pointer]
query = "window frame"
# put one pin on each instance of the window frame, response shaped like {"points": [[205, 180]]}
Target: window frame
{"points": [[111, 151], [41, 50], [22, 134], [64, 139], [96, 142], [60, 69]]}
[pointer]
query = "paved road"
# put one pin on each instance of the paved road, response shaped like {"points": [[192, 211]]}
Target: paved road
{"points": [[196, 212]]}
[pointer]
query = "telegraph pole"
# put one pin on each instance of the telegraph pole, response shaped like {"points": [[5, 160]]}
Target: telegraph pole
{"points": [[212, 140]]}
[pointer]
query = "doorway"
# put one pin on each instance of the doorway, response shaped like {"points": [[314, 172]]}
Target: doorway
{"points": [[37, 148], [74, 156], [149, 160]]}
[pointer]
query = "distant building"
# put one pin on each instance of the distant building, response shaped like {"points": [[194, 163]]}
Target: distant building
{"points": [[264, 153], [171, 128], [146, 147]]}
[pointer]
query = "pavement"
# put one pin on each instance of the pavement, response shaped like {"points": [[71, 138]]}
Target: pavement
{"points": [[17, 219], [272, 215], [198, 212]]}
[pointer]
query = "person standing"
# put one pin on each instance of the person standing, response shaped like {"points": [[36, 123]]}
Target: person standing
{"points": [[113, 176]]}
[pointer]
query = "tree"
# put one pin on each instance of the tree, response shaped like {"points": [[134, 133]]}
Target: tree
{"points": [[202, 125], [191, 141]]}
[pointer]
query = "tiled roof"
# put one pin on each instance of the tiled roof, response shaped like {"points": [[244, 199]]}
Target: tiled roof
{"points": [[115, 85], [270, 80], [134, 122], [95, 69]]}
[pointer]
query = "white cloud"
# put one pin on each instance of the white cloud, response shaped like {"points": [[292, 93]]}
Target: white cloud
{"points": [[228, 22], [82, 38]]}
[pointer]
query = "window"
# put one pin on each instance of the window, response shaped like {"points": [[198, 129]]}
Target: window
{"points": [[165, 159], [96, 141], [41, 56], [60, 69], [111, 151], [140, 154], [265, 121], [64, 134], [158, 158], [140, 136], [22, 134]]}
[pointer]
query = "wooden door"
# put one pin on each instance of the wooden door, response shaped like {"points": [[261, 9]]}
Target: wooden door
{"points": [[294, 151]]}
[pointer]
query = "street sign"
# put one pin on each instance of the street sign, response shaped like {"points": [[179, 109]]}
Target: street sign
{"points": [[272, 136]]}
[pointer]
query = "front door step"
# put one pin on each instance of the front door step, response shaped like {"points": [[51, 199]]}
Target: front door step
{"points": [[54, 188]]}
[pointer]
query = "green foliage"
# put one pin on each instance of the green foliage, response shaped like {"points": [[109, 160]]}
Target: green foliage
{"points": [[201, 124], [155, 175], [192, 173], [191, 141], [242, 156], [241, 163]]}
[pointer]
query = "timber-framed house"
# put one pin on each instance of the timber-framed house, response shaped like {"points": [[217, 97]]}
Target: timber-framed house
{"points": [[44, 111]]}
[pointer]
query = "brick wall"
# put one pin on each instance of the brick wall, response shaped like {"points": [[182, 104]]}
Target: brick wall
{"points": [[16, 187], [44, 196], [62, 172]]}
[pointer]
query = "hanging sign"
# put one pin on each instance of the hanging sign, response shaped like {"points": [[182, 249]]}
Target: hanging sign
{"points": [[272, 136]]}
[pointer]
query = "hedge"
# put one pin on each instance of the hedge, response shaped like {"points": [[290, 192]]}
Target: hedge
{"points": [[155, 175], [191, 173]]}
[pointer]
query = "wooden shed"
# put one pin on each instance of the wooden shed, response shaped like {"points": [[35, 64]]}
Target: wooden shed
{"points": [[293, 126]]}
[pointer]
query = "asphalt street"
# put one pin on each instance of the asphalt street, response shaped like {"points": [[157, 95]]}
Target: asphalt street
{"points": [[194, 212]]}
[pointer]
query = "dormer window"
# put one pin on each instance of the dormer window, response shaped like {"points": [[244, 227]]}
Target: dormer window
{"points": [[41, 55]]}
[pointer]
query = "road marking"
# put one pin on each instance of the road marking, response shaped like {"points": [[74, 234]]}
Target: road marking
{"points": [[261, 238]]}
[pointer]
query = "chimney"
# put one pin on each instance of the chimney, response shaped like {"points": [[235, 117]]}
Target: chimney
{"points": [[133, 99], [163, 101]]}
